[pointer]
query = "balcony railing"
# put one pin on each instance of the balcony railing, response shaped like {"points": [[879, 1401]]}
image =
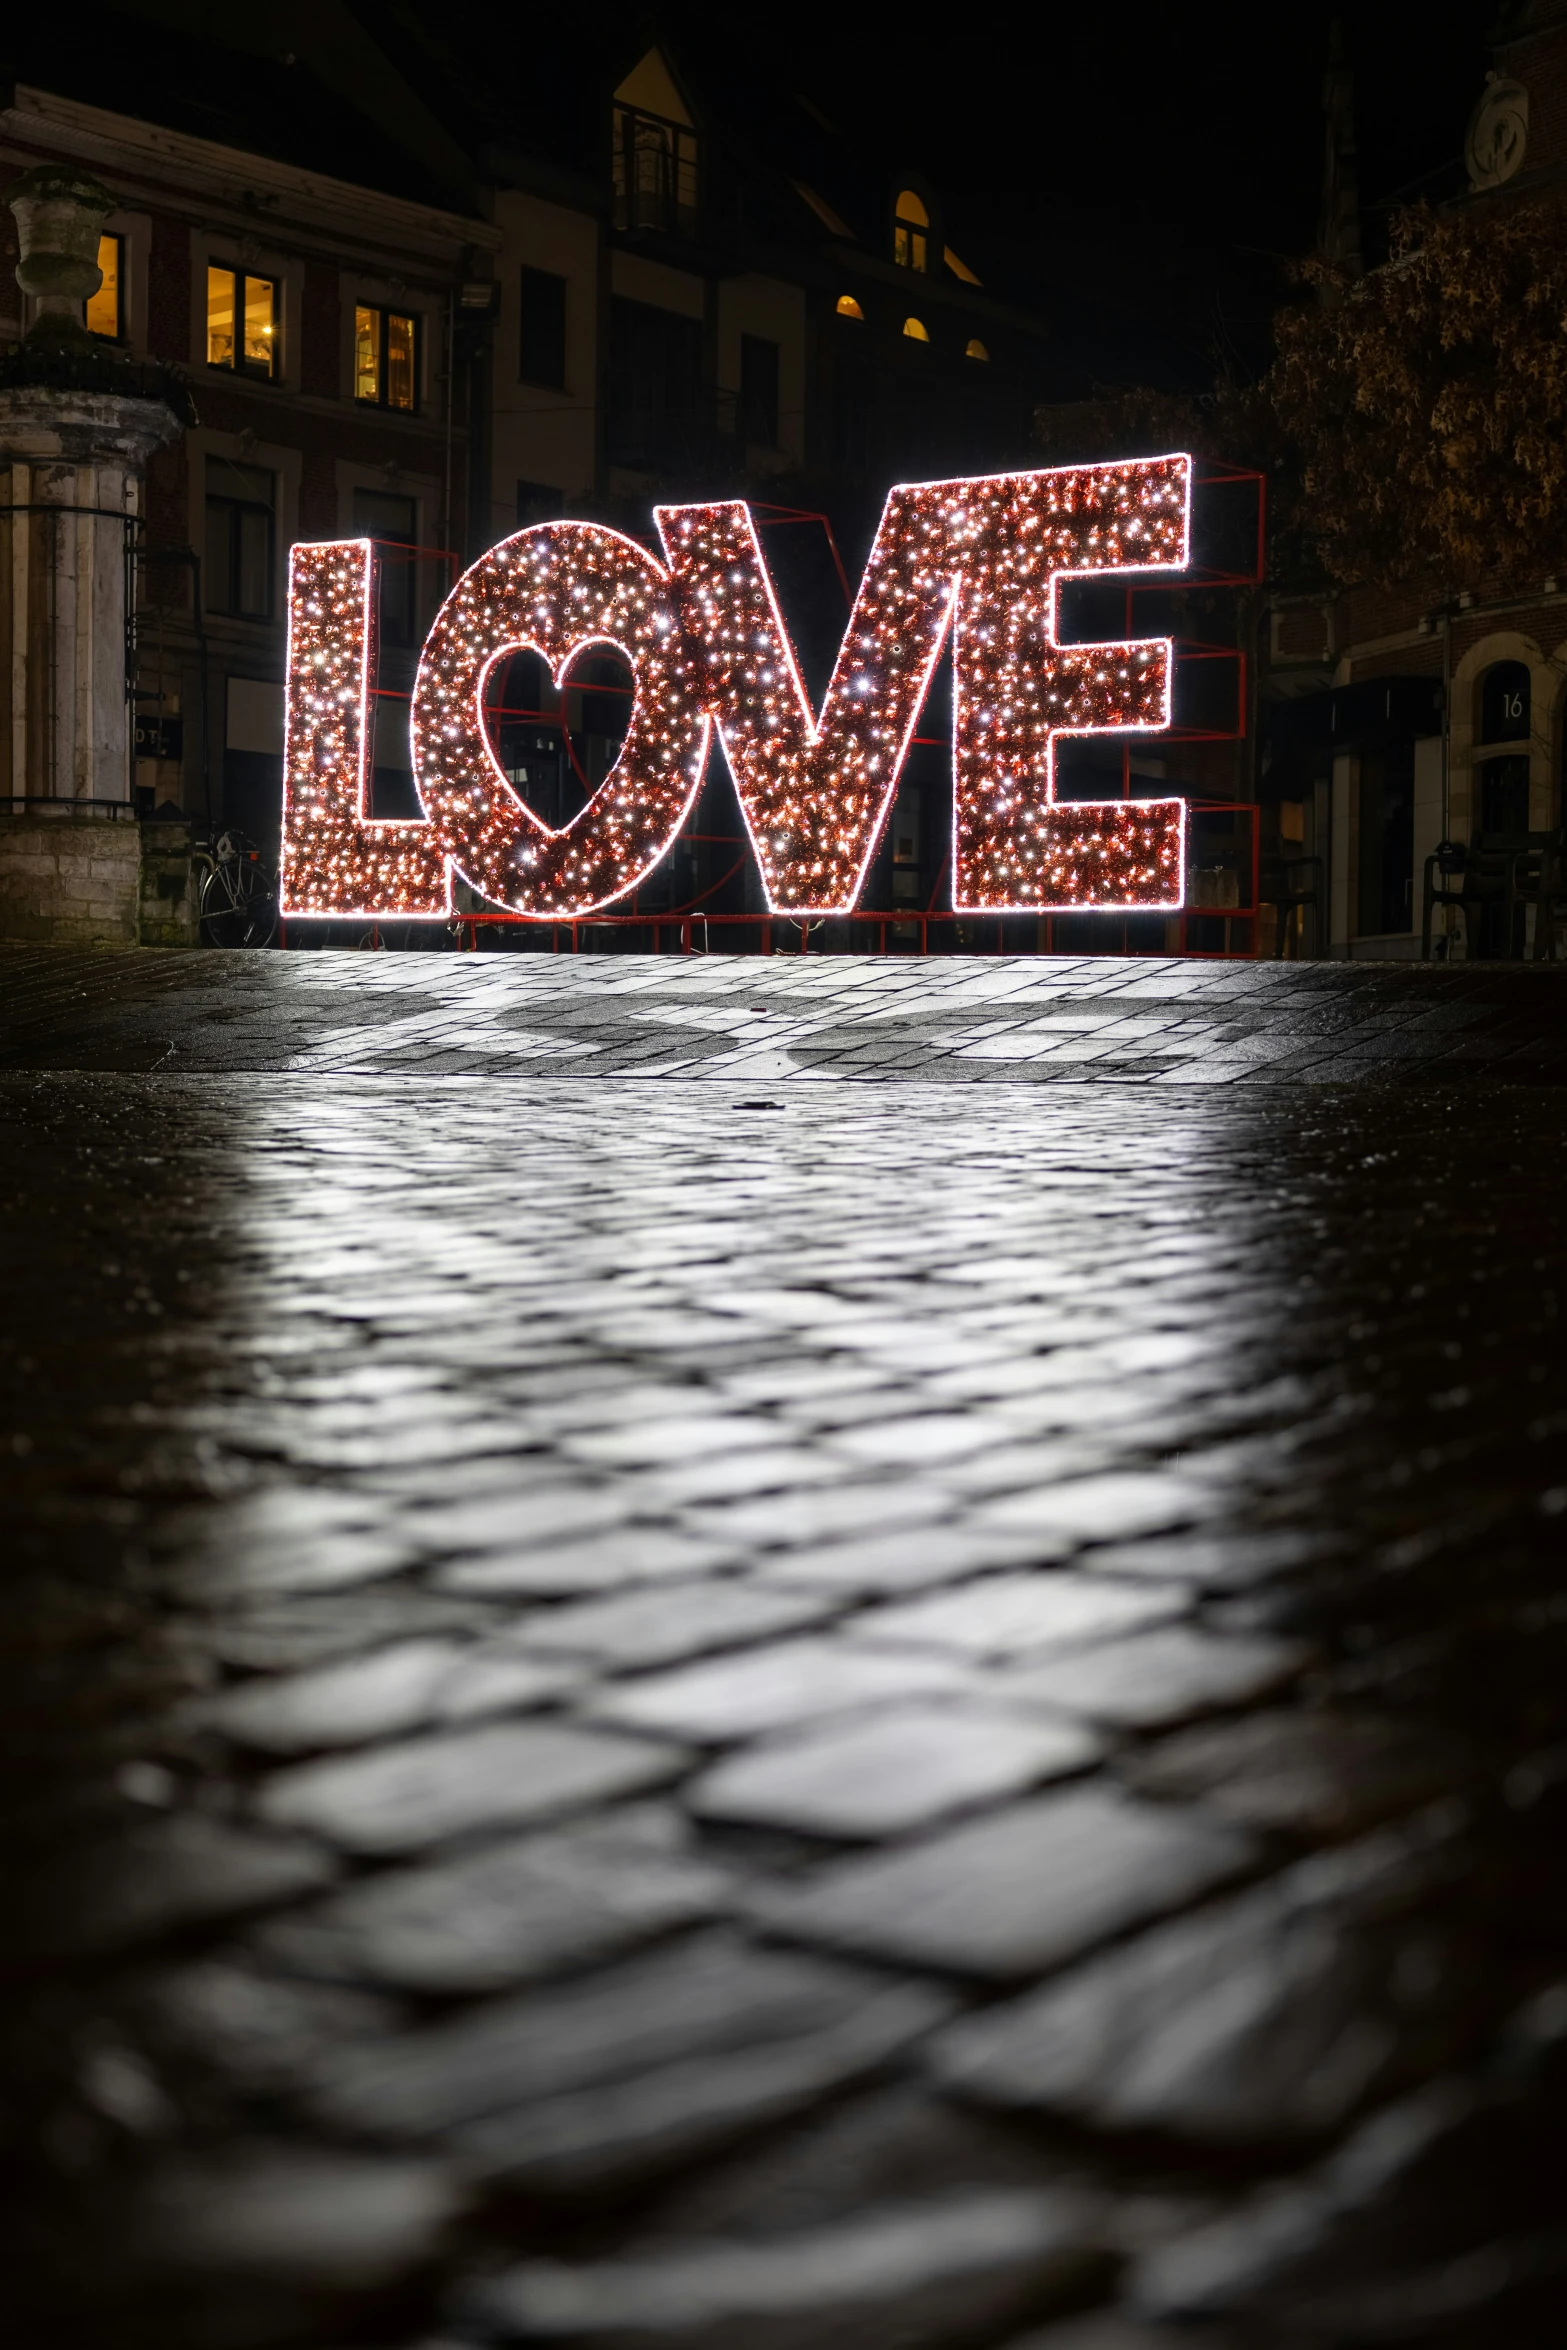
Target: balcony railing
{"points": [[655, 174]]}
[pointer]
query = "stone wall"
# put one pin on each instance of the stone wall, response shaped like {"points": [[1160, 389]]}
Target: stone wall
{"points": [[168, 913], [99, 881], [70, 880]]}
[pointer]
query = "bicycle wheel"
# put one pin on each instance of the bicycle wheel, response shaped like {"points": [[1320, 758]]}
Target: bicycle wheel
{"points": [[238, 898]]}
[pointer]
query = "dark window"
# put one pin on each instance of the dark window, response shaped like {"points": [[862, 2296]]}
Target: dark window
{"points": [[386, 357], [759, 391], [656, 414], [854, 413], [538, 501], [1387, 840], [655, 170], [394, 525], [542, 355], [1504, 704], [241, 501], [241, 321], [1504, 795]]}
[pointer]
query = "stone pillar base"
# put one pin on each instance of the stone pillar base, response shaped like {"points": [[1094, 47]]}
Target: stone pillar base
{"points": [[168, 909], [70, 881]]}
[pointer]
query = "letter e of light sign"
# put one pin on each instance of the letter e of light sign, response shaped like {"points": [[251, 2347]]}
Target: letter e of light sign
{"points": [[981, 560]]}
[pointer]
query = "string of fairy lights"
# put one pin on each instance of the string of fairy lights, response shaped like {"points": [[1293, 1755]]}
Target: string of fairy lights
{"points": [[981, 559], [334, 860], [557, 588], [1018, 693]]}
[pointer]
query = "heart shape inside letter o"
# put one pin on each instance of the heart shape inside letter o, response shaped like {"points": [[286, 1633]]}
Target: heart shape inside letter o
{"points": [[557, 589]]}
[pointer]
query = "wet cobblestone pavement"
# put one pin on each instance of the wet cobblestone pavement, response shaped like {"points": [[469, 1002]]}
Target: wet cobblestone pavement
{"points": [[782, 1707]]}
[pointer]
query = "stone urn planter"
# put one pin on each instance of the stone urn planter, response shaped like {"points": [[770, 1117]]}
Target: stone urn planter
{"points": [[59, 216]]}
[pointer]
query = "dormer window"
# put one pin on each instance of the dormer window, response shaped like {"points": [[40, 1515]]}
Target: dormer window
{"points": [[911, 232], [656, 153]]}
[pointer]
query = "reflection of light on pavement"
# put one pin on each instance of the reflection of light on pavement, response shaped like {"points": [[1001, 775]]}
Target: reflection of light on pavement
{"points": [[665, 1609]]}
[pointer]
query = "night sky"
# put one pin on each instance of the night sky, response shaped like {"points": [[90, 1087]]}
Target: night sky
{"points": [[1177, 150]]}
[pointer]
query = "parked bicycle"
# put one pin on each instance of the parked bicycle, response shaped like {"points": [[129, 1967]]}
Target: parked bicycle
{"points": [[236, 893]]}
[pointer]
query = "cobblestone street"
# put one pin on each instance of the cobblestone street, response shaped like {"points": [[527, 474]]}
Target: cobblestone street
{"points": [[783, 1654]]}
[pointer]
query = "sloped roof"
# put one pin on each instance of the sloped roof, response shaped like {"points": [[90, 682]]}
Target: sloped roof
{"points": [[329, 105]]}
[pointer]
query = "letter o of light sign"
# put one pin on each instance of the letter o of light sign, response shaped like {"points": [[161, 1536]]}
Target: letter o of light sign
{"points": [[556, 590]]}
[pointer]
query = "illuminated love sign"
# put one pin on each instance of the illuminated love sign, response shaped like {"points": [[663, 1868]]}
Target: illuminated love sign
{"points": [[978, 561]]}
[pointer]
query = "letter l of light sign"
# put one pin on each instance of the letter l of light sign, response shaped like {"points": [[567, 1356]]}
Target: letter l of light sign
{"points": [[336, 858]]}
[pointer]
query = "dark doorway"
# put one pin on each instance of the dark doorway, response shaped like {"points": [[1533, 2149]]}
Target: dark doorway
{"points": [[1504, 795], [1387, 841]]}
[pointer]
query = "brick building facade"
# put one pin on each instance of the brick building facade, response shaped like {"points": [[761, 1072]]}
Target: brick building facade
{"points": [[272, 286], [411, 307]]}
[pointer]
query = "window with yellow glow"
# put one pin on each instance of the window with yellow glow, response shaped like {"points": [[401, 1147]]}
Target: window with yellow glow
{"points": [[975, 349], [386, 357], [103, 308], [849, 308], [400, 339], [367, 353], [241, 322], [910, 244], [916, 332]]}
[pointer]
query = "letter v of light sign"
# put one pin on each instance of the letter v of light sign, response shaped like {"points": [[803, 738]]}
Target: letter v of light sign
{"points": [[983, 557]]}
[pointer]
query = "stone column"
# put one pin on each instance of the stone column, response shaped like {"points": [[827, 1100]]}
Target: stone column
{"points": [[76, 433]]}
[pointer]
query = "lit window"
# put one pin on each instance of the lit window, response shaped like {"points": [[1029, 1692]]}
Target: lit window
{"points": [[910, 245], [241, 321], [401, 342], [975, 349], [103, 308], [915, 331], [367, 355], [849, 308], [957, 267], [386, 357]]}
